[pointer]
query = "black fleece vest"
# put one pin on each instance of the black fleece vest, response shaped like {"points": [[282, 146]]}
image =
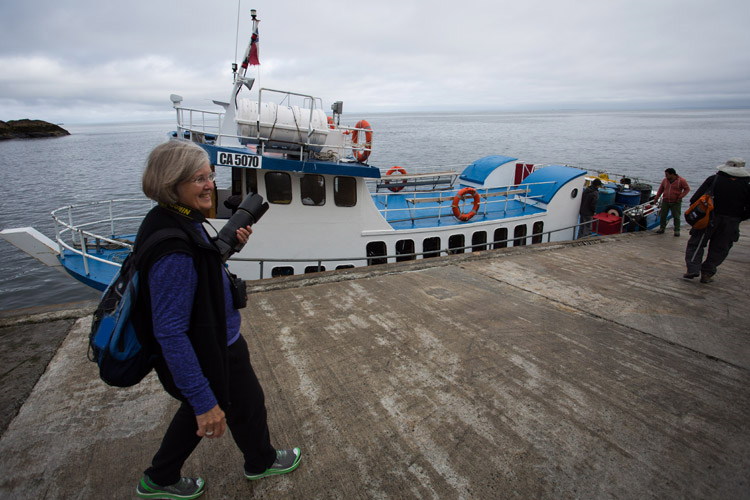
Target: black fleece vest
{"points": [[207, 331]]}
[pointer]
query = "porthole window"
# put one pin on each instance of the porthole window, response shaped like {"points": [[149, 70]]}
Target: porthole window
{"points": [[431, 247], [345, 266], [405, 247], [314, 269], [376, 253], [278, 188], [519, 236], [500, 238], [282, 271], [536, 237], [455, 244], [574, 193], [344, 191], [478, 241], [313, 190]]}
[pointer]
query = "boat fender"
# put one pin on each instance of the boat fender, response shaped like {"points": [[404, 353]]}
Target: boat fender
{"points": [[362, 152], [393, 170], [462, 194]]}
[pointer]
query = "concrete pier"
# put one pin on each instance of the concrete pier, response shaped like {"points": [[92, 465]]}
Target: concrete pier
{"points": [[580, 370]]}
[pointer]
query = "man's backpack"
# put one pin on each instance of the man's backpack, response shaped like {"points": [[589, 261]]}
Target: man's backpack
{"points": [[699, 213], [113, 341]]}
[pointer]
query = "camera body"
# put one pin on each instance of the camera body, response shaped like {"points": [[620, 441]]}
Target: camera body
{"points": [[248, 213]]}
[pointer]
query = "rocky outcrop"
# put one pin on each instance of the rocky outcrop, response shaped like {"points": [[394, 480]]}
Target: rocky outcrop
{"points": [[30, 129]]}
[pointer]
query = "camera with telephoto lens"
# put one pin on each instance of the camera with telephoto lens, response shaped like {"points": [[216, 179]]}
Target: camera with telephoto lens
{"points": [[248, 213]]}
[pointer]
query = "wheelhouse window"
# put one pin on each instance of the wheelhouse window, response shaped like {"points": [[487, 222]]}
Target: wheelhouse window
{"points": [[250, 177], [376, 253], [431, 247], [455, 243], [479, 241], [519, 236], [251, 180], [536, 237], [278, 188], [344, 191], [500, 238], [404, 247], [313, 190]]}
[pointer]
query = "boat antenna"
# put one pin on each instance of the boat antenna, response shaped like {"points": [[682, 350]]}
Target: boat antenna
{"points": [[236, 39]]}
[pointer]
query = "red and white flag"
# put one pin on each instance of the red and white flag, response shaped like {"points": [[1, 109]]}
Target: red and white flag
{"points": [[252, 57]]}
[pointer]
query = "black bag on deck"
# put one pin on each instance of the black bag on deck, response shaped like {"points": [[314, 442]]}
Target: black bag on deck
{"points": [[113, 340]]}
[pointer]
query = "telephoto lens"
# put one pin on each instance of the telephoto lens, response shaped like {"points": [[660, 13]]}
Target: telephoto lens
{"points": [[248, 213]]}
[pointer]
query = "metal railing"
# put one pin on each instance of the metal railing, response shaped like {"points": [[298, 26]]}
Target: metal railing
{"points": [[80, 236], [366, 260], [206, 126], [202, 128], [520, 194], [77, 237], [644, 209]]}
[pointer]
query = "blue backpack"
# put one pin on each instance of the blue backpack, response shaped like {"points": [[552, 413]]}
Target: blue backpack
{"points": [[113, 341]]}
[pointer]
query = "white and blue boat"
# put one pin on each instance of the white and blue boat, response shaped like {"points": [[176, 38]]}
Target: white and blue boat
{"points": [[329, 208]]}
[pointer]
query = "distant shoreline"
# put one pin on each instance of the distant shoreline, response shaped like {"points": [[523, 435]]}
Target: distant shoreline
{"points": [[30, 129]]}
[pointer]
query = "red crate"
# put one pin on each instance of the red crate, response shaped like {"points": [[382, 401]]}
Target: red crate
{"points": [[607, 223]]}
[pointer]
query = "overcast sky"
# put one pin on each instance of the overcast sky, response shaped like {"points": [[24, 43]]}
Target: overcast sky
{"points": [[79, 61]]}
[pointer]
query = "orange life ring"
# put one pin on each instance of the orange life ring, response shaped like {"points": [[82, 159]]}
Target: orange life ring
{"points": [[330, 123], [363, 152], [392, 170], [462, 194]]}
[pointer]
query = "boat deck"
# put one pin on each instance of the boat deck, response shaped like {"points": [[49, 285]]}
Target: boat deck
{"points": [[99, 273], [585, 369], [426, 209]]}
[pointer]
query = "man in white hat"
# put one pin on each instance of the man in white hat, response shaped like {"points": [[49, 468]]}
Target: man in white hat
{"points": [[731, 194]]}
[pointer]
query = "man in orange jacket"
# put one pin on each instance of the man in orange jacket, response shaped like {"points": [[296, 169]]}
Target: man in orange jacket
{"points": [[674, 188]]}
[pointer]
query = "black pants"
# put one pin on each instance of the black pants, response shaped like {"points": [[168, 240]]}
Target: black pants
{"points": [[246, 418], [719, 236]]}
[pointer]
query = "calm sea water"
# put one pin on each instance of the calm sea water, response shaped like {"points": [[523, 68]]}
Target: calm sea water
{"points": [[99, 162]]}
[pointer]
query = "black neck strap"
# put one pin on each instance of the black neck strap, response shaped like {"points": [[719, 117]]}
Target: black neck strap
{"points": [[180, 209]]}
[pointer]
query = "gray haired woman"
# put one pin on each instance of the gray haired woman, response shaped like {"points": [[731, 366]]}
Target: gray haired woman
{"points": [[192, 324]]}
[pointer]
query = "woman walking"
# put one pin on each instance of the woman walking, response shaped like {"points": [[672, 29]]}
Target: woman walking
{"points": [[194, 326]]}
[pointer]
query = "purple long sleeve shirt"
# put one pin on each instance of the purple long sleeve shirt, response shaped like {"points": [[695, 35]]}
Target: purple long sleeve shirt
{"points": [[172, 283]]}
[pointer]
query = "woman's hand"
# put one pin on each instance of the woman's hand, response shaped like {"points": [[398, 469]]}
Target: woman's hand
{"points": [[212, 424], [243, 234]]}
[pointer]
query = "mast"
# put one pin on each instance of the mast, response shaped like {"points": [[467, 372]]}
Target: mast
{"points": [[228, 125]]}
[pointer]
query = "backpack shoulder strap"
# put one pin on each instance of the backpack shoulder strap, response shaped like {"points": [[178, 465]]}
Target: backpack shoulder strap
{"points": [[157, 237], [713, 185]]}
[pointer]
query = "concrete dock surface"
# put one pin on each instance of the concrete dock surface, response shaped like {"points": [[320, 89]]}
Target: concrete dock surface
{"points": [[587, 369]]}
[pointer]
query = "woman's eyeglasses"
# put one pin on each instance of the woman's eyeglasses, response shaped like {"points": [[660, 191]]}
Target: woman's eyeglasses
{"points": [[202, 179]]}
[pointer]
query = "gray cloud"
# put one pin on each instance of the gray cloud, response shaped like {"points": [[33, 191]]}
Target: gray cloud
{"points": [[84, 60]]}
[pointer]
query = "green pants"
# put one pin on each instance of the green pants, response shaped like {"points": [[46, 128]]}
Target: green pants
{"points": [[676, 209]]}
